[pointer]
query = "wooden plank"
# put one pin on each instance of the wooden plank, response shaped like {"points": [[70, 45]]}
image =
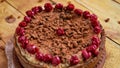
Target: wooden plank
{"points": [[24, 5], [113, 53], [106, 9], [8, 29], [3, 60]]}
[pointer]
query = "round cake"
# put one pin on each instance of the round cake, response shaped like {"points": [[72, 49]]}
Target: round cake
{"points": [[57, 36]]}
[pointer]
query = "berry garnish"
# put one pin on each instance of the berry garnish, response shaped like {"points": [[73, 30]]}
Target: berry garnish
{"points": [[39, 56], [30, 13], [22, 24], [74, 60], [95, 23], [93, 17], [24, 43], [86, 55], [48, 7], [21, 39], [70, 7], [91, 48], [27, 19], [56, 60], [86, 14], [96, 52], [59, 6], [47, 58], [60, 32], [40, 8], [20, 31], [97, 29], [95, 41], [35, 9], [31, 48], [78, 11]]}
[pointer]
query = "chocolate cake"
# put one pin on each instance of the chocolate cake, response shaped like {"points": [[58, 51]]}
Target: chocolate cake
{"points": [[58, 36]]}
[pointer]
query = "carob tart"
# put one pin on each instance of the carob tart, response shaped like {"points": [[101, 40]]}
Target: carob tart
{"points": [[60, 37]]}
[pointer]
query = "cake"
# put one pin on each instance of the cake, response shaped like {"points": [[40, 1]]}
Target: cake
{"points": [[58, 36]]}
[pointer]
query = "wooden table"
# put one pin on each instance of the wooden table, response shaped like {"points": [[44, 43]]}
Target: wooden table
{"points": [[105, 9]]}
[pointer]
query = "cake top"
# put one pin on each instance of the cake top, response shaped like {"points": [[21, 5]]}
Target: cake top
{"points": [[60, 34]]}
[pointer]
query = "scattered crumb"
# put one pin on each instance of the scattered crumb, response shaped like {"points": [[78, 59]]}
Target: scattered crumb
{"points": [[18, 17], [107, 20], [118, 22], [10, 19]]}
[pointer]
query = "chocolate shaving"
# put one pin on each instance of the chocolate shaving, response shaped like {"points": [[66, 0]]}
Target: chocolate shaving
{"points": [[10, 19]]}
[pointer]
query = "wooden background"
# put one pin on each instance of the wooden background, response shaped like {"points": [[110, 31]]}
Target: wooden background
{"points": [[103, 8]]}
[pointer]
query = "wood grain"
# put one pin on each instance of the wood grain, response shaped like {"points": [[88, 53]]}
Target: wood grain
{"points": [[24, 5], [7, 29], [113, 53]]}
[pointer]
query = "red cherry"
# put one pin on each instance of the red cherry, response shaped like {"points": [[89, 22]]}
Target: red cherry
{"points": [[93, 17], [95, 23], [40, 8], [48, 7], [78, 11], [70, 7], [23, 46], [60, 31], [47, 58], [86, 14], [59, 6], [30, 13], [86, 55], [91, 48], [74, 60], [96, 52], [35, 9], [24, 43], [22, 24], [56, 60], [95, 40], [97, 29], [21, 39], [20, 31], [39, 56], [27, 19], [31, 49]]}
